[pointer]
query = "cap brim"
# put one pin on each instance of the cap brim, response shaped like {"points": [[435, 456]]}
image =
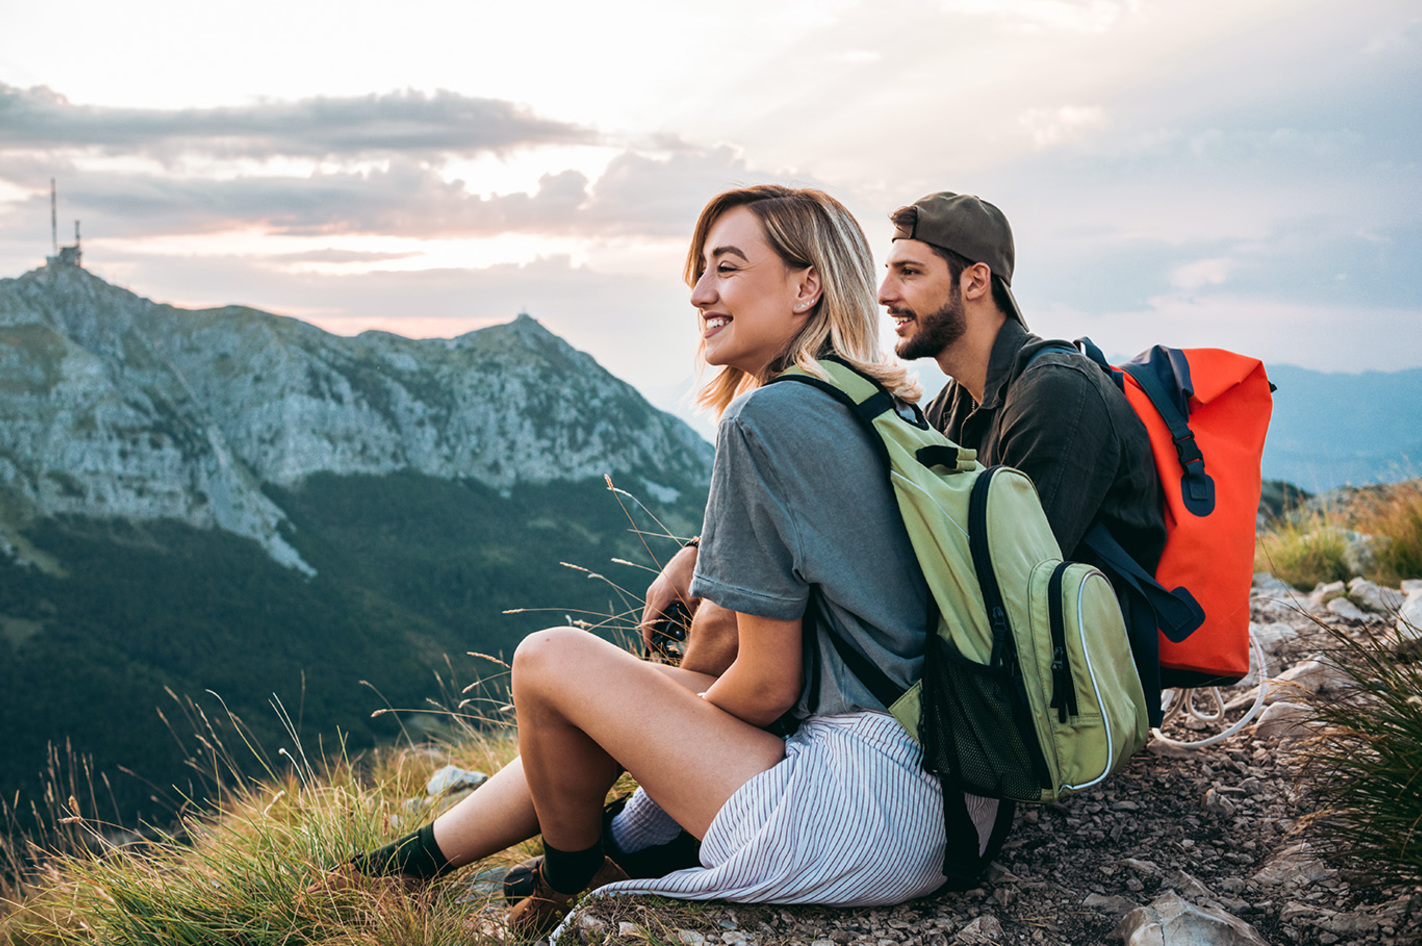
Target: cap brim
{"points": [[1014, 312]]}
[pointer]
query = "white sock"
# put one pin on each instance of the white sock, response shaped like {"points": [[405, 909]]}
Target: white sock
{"points": [[642, 824]]}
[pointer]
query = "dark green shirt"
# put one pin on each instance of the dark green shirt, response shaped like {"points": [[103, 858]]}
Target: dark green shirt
{"points": [[1061, 420]]}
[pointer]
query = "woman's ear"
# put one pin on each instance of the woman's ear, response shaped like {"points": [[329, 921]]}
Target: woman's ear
{"points": [[807, 290]]}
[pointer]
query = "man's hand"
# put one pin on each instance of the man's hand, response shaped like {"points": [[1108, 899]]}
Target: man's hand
{"points": [[672, 585]]}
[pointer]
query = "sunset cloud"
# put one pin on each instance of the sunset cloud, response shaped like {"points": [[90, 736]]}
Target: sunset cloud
{"points": [[376, 125]]}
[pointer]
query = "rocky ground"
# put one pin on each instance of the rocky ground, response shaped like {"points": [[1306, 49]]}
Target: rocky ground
{"points": [[1201, 846]]}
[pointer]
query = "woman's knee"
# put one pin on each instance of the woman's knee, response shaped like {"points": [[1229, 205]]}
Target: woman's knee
{"points": [[550, 655]]}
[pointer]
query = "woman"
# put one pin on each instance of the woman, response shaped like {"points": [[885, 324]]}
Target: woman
{"points": [[800, 516]]}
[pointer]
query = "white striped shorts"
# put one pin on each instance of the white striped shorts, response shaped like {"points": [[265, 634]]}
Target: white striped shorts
{"points": [[848, 818]]}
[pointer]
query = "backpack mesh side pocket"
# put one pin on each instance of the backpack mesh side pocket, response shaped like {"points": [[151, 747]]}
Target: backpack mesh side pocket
{"points": [[977, 730]]}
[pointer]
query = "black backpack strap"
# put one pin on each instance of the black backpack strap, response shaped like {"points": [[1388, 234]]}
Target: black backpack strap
{"points": [[1164, 375], [962, 864]]}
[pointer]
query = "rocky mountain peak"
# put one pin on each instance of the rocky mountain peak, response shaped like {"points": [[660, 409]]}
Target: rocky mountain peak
{"points": [[113, 405]]}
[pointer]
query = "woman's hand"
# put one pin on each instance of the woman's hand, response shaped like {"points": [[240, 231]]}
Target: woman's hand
{"points": [[671, 585]]}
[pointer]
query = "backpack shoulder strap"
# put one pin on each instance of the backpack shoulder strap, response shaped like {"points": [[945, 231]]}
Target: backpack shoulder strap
{"points": [[866, 400]]}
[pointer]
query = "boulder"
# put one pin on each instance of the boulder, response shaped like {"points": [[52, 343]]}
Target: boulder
{"points": [[1171, 920], [1284, 721], [1372, 597], [1409, 621], [1324, 593], [1346, 609]]}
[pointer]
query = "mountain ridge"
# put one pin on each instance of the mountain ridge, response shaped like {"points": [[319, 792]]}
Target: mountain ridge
{"points": [[230, 502], [120, 406]]}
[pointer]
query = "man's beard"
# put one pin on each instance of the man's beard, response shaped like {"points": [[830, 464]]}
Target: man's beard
{"points": [[935, 331]]}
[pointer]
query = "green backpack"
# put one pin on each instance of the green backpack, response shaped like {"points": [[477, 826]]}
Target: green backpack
{"points": [[1029, 691]]}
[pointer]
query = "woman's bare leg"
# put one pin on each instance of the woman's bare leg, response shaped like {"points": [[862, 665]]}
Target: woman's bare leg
{"points": [[587, 709], [501, 813]]}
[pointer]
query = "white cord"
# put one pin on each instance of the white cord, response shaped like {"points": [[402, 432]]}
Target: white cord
{"points": [[1183, 701]]}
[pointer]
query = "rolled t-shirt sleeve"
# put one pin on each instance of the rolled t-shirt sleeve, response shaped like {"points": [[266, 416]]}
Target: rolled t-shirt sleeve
{"points": [[750, 542]]}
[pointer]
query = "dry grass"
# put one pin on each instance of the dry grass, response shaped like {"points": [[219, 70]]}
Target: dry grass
{"points": [[238, 871], [1307, 547]]}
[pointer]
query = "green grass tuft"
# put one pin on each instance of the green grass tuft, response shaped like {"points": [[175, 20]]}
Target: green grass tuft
{"points": [[1366, 765]]}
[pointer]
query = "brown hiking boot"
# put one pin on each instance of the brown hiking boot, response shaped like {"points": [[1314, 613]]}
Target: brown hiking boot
{"points": [[538, 913]]}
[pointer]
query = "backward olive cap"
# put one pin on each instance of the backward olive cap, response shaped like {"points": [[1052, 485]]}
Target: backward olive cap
{"points": [[970, 227]]}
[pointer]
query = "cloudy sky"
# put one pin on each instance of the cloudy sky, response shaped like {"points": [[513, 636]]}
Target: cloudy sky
{"points": [[1238, 173]]}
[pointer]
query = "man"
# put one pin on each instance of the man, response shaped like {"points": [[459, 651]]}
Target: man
{"points": [[1015, 398]]}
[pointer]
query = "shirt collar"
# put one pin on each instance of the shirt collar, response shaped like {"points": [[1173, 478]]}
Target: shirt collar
{"points": [[1010, 339]]}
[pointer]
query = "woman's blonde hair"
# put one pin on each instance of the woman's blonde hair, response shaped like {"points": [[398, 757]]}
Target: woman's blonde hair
{"points": [[806, 228]]}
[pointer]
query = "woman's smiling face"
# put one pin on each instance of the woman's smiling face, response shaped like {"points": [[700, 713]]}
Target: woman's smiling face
{"points": [[751, 304]]}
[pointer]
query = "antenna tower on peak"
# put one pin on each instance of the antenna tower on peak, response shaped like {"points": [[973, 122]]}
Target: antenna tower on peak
{"points": [[63, 255]]}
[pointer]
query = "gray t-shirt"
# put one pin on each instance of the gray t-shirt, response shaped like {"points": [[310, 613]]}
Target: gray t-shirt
{"points": [[800, 500]]}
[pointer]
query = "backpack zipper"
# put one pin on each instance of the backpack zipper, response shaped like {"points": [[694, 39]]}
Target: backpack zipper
{"points": [[1063, 692], [1004, 648]]}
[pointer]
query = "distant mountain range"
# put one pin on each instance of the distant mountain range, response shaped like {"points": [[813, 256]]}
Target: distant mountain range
{"points": [[234, 501], [1328, 429]]}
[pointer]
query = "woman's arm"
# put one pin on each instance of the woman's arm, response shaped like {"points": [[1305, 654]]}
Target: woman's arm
{"points": [[767, 676]]}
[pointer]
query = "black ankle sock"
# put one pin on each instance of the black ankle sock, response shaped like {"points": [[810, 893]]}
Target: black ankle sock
{"points": [[570, 871], [415, 855]]}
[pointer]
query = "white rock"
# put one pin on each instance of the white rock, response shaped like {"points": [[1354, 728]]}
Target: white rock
{"points": [[1296, 866], [1360, 553], [1325, 593], [1112, 906], [1172, 921], [1284, 720], [452, 778], [1373, 597], [984, 930], [630, 930], [1411, 585], [693, 938], [1345, 608], [1347, 924], [1311, 676], [1272, 635], [1216, 804], [1409, 619], [1186, 885], [1266, 584]]}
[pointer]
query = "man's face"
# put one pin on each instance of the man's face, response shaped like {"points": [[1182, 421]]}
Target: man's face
{"points": [[923, 299]]}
